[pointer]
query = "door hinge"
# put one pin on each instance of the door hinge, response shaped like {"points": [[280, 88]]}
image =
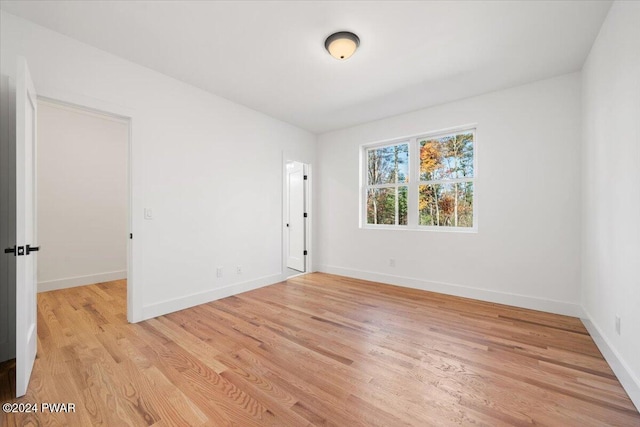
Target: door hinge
{"points": [[305, 177], [131, 235], [304, 253], [305, 214]]}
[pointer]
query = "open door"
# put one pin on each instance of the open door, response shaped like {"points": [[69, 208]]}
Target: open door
{"points": [[296, 214], [26, 238]]}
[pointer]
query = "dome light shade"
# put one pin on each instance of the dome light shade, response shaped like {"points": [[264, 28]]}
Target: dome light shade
{"points": [[342, 45]]}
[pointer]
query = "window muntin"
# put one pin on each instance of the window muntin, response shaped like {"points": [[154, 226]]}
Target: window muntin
{"points": [[425, 182]]}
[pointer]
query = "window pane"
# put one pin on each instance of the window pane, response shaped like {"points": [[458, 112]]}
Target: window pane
{"points": [[403, 194], [448, 205], [388, 164], [447, 157], [381, 206]]}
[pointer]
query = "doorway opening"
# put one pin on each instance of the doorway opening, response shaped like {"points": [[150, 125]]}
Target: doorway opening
{"points": [[83, 199], [297, 218]]}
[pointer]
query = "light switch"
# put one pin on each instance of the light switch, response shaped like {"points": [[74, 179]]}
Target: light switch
{"points": [[148, 213]]}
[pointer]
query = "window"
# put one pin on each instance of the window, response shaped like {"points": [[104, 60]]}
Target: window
{"points": [[387, 179], [424, 182]]}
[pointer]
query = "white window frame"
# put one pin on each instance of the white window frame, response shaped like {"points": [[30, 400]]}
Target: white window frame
{"points": [[395, 185], [414, 181]]}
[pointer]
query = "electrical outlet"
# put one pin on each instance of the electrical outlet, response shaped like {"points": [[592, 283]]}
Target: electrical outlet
{"points": [[392, 262], [148, 213], [618, 325], [219, 272], [239, 269]]}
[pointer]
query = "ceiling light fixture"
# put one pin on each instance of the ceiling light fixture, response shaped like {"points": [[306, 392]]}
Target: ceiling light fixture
{"points": [[342, 45]]}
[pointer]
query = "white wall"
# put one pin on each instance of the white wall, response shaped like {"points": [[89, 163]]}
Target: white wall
{"points": [[611, 189], [82, 197], [210, 169], [527, 248]]}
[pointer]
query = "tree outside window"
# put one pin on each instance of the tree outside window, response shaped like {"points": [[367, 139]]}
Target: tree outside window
{"points": [[446, 181], [434, 191], [388, 175]]}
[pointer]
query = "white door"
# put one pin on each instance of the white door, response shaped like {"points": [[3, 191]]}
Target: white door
{"points": [[295, 216], [26, 239]]}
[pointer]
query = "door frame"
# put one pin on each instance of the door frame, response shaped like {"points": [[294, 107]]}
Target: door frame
{"points": [[65, 98], [308, 262]]}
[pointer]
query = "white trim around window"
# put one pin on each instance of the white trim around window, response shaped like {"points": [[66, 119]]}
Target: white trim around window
{"points": [[409, 217]]}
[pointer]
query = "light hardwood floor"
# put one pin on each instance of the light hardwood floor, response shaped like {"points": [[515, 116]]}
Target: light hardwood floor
{"points": [[316, 350]]}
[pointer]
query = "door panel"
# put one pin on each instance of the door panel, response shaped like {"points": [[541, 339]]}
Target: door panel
{"points": [[295, 216], [26, 293]]}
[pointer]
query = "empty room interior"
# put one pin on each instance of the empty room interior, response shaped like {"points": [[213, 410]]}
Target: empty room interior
{"points": [[345, 213]]}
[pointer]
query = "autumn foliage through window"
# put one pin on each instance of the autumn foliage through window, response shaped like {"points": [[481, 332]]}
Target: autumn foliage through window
{"points": [[438, 186], [446, 181]]}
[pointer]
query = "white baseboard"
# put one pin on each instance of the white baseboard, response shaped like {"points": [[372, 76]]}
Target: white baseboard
{"points": [[630, 383], [169, 306], [72, 282], [523, 301]]}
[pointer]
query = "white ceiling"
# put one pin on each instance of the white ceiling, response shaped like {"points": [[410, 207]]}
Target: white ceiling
{"points": [[270, 55]]}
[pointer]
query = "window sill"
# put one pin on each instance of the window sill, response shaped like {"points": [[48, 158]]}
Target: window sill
{"points": [[470, 230]]}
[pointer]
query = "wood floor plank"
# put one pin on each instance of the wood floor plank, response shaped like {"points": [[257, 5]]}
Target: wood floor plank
{"points": [[317, 349]]}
